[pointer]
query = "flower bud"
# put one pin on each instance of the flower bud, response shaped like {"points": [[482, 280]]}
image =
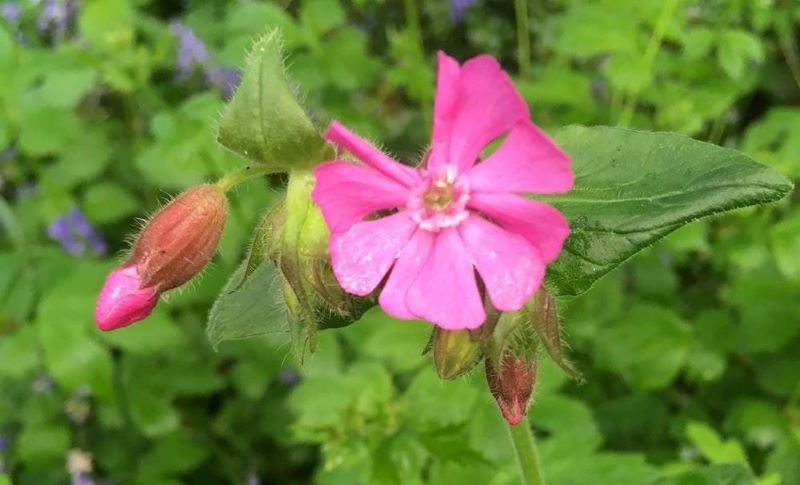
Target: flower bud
{"points": [[312, 292], [122, 301], [455, 352], [181, 238], [173, 248], [512, 385]]}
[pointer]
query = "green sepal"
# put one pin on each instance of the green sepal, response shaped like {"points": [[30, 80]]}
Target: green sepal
{"points": [[265, 122]]}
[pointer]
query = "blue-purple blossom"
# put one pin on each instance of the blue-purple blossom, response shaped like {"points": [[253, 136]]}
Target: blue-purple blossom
{"points": [[76, 234], [290, 377], [82, 479], [10, 12], [193, 57], [3, 443], [192, 52], [253, 479], [458, 8], [56, 17], [225, 79]]}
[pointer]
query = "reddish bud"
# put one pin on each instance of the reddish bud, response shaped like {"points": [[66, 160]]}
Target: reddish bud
{"points": [[173, 248], [512, 385], [181, 238]]}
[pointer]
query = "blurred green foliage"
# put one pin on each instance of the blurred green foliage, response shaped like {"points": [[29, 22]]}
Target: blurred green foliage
{"points": [[690, 351]]}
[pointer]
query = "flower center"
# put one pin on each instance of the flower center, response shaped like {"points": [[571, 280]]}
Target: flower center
{"points": [[439, 195], [439, 201]]}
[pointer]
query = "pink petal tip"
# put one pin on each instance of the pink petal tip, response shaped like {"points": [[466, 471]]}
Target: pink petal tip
{"points": [[122, 302]]}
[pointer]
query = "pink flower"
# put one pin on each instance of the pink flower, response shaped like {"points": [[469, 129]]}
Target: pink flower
{"points": [[432, 227]]}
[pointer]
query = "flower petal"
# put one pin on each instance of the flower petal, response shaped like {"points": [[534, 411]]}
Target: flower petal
{"points": [[445, 103], [364, 151], [542, 225], [409, 263], [445, 291], [487, 106], [121, 301], [510, 267], [347, 192], [527, 161], [361, 256]]}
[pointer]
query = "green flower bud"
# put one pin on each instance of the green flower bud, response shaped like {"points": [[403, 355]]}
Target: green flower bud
{"points": [[455, 352], [312, 293]]}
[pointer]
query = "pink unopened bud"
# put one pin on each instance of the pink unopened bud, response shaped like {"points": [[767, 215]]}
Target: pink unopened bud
{"points": [[512, 385], [121, 301], [173, 248]]}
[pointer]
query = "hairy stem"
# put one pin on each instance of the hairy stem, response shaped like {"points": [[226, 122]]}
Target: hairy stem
{"points": [[523, 38], [230, 179], [527, 453]]}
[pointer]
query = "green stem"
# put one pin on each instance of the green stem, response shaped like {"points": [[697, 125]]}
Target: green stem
{"points": [[650, 56], [236, 177], [527, 453], [523, 38], [412, 20]]}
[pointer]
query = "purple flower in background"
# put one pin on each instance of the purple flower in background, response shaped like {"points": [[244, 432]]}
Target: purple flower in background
{"points": [[457, 9], [75, 234], [290, 377], [3, 443], [253, 479], [10, 12], [56, 16], [82, 479], [193, 57], [225, 79], [192, 52]]}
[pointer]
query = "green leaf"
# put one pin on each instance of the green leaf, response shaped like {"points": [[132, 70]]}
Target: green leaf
{"points": [[431, 403], [248, 307], [648, 346], [19, 353], [570, 422], [46, 130], [108, 202], [632, 188], [608, 467], [736, 47], [785, 238], [101, 19], [729, 474], [66, 88], [66, 333], [713, 447], [264, 122], [43, 443], [152, 412]]}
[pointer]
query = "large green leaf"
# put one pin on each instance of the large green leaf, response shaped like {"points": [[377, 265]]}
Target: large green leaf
{"points": [[264, 122], [632, 188]]}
